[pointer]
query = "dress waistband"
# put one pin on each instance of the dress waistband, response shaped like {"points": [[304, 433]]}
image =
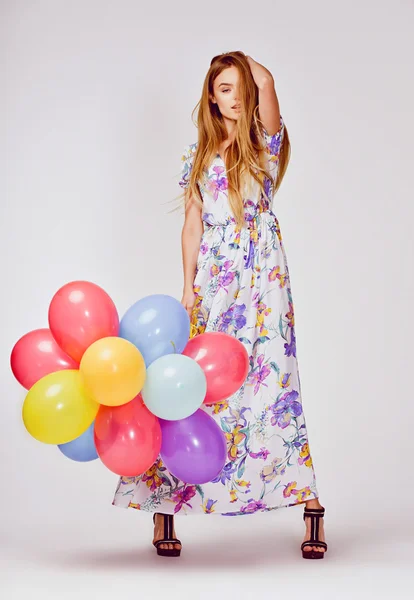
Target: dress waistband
{"points": [[251, 222]]}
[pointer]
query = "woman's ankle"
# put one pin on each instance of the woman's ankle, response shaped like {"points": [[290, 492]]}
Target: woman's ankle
{"points": [[314, 503]]}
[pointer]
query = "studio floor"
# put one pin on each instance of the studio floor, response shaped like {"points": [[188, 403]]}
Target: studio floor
{"points": [[253, 556]]}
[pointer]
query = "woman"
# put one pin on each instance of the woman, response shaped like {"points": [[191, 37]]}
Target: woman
{"points": [[236, 280]]}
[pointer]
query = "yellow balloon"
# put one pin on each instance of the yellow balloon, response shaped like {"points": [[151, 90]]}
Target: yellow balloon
{"points": [[57, 408], [113, 371]]}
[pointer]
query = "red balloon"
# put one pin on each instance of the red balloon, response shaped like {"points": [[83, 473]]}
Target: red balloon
{"points": [[81, 313], [127, 438], [224, 360], [37, 354]]}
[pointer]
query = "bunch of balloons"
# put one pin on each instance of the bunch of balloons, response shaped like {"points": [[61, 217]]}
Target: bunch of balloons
{"points": [[126, 391]]}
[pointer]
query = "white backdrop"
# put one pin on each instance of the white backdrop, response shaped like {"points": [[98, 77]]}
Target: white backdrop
{"points": [[95, 112]]}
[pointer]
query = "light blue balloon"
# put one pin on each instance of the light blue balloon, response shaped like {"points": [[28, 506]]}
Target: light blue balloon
{"points": [[81, 449], [157, 325], [175, 387]]}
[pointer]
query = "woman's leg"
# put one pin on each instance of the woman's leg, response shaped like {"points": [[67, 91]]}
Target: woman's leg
{"points": [[159, 533], [314, 504]]}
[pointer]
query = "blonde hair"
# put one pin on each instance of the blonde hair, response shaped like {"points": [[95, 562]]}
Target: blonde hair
{"points": [[245, 155]]}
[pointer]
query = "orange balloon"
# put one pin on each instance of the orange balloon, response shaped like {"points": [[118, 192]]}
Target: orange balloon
{"points": [[113, 371]]}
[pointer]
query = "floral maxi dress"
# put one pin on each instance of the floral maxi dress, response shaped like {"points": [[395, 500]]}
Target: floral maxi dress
{"points": [[242, 288]]}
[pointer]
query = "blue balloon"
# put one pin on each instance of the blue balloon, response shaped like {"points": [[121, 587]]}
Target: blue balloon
{"points": [[81, 449], [157, 325], [175, 387]]}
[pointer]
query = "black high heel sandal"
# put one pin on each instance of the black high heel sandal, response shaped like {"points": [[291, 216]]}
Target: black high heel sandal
{"points": [[315, 515], [168, 539]]}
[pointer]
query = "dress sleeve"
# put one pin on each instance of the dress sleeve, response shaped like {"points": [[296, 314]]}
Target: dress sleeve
{"points": [[273, 143], [187, 165]]}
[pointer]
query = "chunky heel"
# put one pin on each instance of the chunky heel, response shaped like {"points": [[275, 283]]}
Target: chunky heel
{"points": [[315, 515], [168, 537]]}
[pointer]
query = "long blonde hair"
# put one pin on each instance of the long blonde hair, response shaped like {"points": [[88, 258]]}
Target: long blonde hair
{"points": [[245, 155]]}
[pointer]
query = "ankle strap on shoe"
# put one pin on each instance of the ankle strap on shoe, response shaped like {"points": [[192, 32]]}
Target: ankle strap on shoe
{"points": [[313, 512]]}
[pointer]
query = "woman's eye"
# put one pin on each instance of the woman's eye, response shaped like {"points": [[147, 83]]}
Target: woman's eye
{"points": [[227, 90]]}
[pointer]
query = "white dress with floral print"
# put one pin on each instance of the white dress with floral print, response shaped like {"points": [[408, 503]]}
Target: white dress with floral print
{"points": [[243, 288]]}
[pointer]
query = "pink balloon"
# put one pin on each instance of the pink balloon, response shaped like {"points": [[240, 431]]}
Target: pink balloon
{"points": [[127, 437], [37, 354], [81, 313], [224, 360]]}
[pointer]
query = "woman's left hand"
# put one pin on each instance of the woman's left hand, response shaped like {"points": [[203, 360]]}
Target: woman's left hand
{"points": [[259, 72]]}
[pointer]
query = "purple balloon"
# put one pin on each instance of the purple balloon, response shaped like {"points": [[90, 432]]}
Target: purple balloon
{"points": [[193, 449]]}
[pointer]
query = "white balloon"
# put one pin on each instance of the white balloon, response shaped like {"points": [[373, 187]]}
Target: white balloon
{"points": [[175, 387]]}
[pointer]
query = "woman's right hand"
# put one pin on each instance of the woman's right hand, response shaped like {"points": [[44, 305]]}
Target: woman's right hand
{"points": [[188, 301]]}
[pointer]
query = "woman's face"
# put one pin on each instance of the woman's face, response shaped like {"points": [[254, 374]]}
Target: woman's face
{"points": [[226, 93]]}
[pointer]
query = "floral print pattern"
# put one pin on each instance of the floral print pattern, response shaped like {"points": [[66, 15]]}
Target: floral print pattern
{"points": [[242, 288]]}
